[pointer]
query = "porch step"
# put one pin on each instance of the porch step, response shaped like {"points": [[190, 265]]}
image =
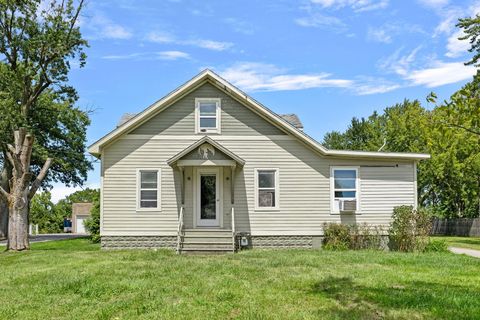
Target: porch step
{"points": [[206, 241]]}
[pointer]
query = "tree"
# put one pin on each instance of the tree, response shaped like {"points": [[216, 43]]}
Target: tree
{"points": [[471, 30], [37, 46], [93, 222], [44, 214]]}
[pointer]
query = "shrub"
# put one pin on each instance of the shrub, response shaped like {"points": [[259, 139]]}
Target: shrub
{"points": [[409, 229], [365, 236], [92, 224], [336, 236], [437, 246]]}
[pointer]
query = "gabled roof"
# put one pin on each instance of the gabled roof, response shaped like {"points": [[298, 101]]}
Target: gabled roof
{"points": [[197, 144], [272, 117]]}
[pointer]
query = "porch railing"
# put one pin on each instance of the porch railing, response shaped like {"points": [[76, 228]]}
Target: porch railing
{"points": [[180, 231], [233, 228]]}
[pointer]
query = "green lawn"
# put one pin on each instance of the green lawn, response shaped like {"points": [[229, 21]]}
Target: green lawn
{"points": [[462, 242], [74, 280]]}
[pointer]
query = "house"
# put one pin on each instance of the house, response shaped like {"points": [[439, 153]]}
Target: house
{"points": [[80, 213], [208, 168]]}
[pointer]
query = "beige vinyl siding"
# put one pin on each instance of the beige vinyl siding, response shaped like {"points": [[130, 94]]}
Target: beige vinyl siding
{"points": [[179, 118], [304, 195]]}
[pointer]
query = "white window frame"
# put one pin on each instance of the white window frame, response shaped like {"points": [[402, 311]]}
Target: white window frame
{"points": [[333, 209], [139, 189], [218, 103], [277, 189]]}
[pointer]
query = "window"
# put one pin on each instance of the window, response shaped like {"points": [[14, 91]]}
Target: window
{"points": [[148, 186], [344, 187], [207, 113], [266, 189]]}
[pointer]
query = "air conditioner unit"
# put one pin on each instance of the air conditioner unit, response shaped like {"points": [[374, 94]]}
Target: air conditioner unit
{"points": [[348, 205]]}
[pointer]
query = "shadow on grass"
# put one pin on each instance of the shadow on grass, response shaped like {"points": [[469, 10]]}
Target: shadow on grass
{"points": [[412, 300]]}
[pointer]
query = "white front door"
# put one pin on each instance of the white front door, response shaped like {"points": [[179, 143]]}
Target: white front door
{"points": [[208, 197]]}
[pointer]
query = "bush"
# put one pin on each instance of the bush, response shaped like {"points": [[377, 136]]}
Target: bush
{"points": [[365, 236], [437, 246], [343, 237], [92, 224], [409, 229], [336, 236]]}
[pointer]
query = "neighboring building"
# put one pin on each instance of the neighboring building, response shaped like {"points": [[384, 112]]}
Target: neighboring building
{"points": [[80, 213], [207, 163]]}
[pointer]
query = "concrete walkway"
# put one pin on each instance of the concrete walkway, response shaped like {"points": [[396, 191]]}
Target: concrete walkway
{"points": [[468, 252], [51, 237]]}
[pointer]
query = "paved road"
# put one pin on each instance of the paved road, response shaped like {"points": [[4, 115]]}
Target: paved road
{"points": [[50, 237], [468, 252]]}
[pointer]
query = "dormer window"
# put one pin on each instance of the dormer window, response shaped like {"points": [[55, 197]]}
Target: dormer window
{"points": [[207, 115]]}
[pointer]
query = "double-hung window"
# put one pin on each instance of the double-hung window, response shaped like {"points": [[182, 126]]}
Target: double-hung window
{"points": [[344, 189], [207, 115], [148, 189], [266, 189]]}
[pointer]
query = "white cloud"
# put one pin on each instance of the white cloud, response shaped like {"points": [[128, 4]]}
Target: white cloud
{"points": [[101, 27], [162, 37], [240, 26], [441, 73], [320, 20], [60, 191], [158, 55], [356, 5], [456, 47], [437, 4], [399, 64], [210, 44], [252, 76], [379, 35]]}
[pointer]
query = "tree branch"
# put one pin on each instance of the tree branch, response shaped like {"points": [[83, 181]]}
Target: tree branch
{"points": [[38, 181], [4, 194]]}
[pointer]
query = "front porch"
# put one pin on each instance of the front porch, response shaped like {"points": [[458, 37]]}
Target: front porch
{"points": [[206, 173]]}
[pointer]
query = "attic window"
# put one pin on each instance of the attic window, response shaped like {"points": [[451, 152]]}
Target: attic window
{"points": [[207, 115]]}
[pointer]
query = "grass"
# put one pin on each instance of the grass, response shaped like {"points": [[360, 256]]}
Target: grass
{"points": [[461, 242], [73, 279]]}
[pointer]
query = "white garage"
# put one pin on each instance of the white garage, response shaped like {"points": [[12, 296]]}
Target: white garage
{"points": [[80, 213]]}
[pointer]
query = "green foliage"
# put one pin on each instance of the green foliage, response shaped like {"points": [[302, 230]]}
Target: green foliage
{"points": [[336, 236], [343, 237], [436, 246], [38, 43], [471, 31], [43, 213], [409, 229], [92, 224]]}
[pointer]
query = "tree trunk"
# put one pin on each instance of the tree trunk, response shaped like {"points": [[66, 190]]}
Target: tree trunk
{"points": [[18, 216], [22, 189], [4, 204]]}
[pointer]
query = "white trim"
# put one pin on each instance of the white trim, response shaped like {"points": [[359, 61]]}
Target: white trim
{"points": [[159, 187], [218, 116], [277, 189], [357, 187], [102, 173], [415, 186], [227, 163], [196, 197]]}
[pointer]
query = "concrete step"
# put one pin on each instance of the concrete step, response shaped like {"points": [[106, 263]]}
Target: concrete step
{"points": [[212, 247], [202, 240]]}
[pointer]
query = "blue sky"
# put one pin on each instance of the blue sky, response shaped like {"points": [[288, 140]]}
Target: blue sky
{"points": [[326, 60]]}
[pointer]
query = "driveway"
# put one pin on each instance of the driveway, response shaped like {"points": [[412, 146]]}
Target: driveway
{"points": [[468, 252], [51, 237]]}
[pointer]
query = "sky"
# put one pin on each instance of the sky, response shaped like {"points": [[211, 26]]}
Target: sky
{"points": [[325, 60]]}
